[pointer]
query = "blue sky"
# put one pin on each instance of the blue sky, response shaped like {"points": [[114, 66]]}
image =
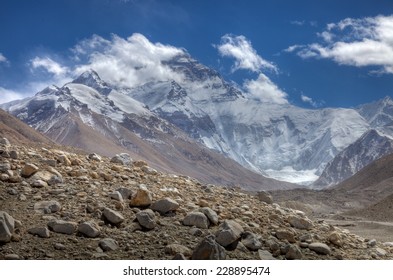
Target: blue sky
{"points": [[307, 53]]}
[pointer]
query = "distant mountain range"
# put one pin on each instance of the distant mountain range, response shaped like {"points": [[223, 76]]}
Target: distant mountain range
{"points": [[206, 127]]}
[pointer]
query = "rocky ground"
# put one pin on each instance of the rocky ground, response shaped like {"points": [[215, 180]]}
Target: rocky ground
{"points": [[57, 204]]}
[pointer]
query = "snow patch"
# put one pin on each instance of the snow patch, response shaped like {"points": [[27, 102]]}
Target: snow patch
{"points": [[288, 174]]}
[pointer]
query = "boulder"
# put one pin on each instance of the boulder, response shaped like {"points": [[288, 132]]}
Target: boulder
{"points": [[123, 158], [209, 249], [113, 216], [320, 248], [108, 244], [5, 142], [251, 242], [89, 229], [265, 197], [294, 253], [229, 232], [7, 226], [146, 219], [164, 205], [300, 222], [142, 197], [42, 232], [210, 214], [61, 226], [29, 169], [47, 207], [197, 219]]}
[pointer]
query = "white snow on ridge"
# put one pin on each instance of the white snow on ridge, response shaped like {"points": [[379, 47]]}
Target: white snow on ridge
{"points": [[128, 104], [95, 101]]}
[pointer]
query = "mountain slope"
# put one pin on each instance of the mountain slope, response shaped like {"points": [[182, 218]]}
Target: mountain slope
{"points": [[85, 115], [18, 132], [371, 146]]}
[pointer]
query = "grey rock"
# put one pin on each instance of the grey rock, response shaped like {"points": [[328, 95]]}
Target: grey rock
{"points": [[320, 248], [209, 249], [149, 170], [14, 154], [146, 219], [123, 158], [380, 252], [116, 196], [197, 219], [265, 255], [294, 253], [94, 157], [61, 226], [108, 244], [7, 226], [12, 257], [113, 216], [47, 207], [164, 205], [125, 192], [59, 246], [251, 242], [39, 184], [229, 232], [5, 166], [89, 229], [265, 197], [210, 214], [372, 243], [42, 232], [4, 142], [300, 222]]}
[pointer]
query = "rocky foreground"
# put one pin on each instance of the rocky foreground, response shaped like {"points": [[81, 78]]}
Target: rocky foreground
{"points": [[60, 205]]}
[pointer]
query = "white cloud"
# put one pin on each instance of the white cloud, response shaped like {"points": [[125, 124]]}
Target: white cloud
{"points": [[265, 90], [246, 57], [49, 65], [127, 62], [356, 42], [3, 59], [309, 100], [298, 22], [7, 95]]}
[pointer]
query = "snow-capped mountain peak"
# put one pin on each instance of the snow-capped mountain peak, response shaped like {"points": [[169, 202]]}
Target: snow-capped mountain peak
{"points": [[91, 79]]}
